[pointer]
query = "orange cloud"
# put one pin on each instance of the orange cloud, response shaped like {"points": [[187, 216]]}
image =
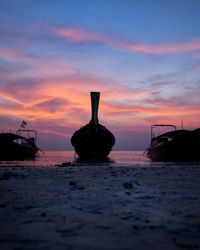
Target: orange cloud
{"points": [[60, 104], [81, 36], [6, 97], [67, 102]]}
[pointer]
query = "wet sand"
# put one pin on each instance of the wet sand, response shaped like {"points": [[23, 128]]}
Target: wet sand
{"points": [[100, 207]]}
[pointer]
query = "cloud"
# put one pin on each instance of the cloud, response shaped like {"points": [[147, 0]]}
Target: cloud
{"points": [[59, 107], [52, 105], [79, 36], [61, 99], [46, 84], [164, 49], [9, 99], [58, 103], [18, 64]]}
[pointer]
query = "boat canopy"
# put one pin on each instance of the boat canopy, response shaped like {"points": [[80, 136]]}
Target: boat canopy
{"points": [[154, 126], [9, 137]]}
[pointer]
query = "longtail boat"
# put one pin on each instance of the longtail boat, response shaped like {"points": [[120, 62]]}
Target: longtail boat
{"points": [[174, 145], [93, 141], [19, 145]]}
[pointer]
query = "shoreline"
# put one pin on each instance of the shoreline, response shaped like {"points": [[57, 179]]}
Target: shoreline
{"points": [[100, 207]]}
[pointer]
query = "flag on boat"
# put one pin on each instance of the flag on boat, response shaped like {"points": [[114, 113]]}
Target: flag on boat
{"points": [[23, 124]]}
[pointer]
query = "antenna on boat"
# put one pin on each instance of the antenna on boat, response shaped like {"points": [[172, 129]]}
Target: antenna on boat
{"points": [[182, 125]]}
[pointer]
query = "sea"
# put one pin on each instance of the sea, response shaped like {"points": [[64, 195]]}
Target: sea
{"points": [[56, 158], [62, 158]]}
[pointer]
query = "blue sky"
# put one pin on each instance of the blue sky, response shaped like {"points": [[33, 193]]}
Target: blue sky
{"points": [[143, 56]]}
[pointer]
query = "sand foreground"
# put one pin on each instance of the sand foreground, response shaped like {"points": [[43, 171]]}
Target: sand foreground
{"points": [[100, 207]]}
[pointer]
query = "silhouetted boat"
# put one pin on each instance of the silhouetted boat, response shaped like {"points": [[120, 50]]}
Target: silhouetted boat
{"points": [[18, 146], [93, 141], [175, 145]]}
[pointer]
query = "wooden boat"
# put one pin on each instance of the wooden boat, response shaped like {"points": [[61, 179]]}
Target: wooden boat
{"points": [[175, 145], [18, 146], [93, 141]]}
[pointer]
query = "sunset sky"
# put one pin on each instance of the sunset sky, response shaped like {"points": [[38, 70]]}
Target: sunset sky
{"points": [[143, 56]]}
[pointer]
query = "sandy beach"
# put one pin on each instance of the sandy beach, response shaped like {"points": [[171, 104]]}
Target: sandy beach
{"points": [[100, 207]]}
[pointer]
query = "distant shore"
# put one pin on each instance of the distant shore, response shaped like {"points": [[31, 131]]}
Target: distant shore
{"points": [[100, 207]]}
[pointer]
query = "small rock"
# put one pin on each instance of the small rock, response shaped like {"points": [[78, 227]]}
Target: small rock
{"points": [[128, 185], [43, 214]]}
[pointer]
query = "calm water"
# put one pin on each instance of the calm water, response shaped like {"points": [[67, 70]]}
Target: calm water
{"points": [[116, 158], [52, 158]]}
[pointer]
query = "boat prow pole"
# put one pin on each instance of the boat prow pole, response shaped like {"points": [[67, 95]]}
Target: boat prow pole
{"points": [[95, 96]]}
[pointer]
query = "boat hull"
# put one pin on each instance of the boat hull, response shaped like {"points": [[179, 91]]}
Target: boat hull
{"points": [[11, 149], [16, 152], [183, 146], [91, 143]]}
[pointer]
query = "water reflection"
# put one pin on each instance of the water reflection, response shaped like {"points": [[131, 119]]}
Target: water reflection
{"points": [[116, 158]]}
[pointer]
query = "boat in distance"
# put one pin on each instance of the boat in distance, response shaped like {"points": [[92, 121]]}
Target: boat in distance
{"points": [[93, 141], [19, 145], [174, 145]]}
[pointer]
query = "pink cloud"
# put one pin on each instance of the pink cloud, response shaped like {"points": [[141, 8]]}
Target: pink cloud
{"points": [[9, 54], [82, 36], [55, 104], [60, 100], [42, 66], [75, 35], [164, 49]]}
